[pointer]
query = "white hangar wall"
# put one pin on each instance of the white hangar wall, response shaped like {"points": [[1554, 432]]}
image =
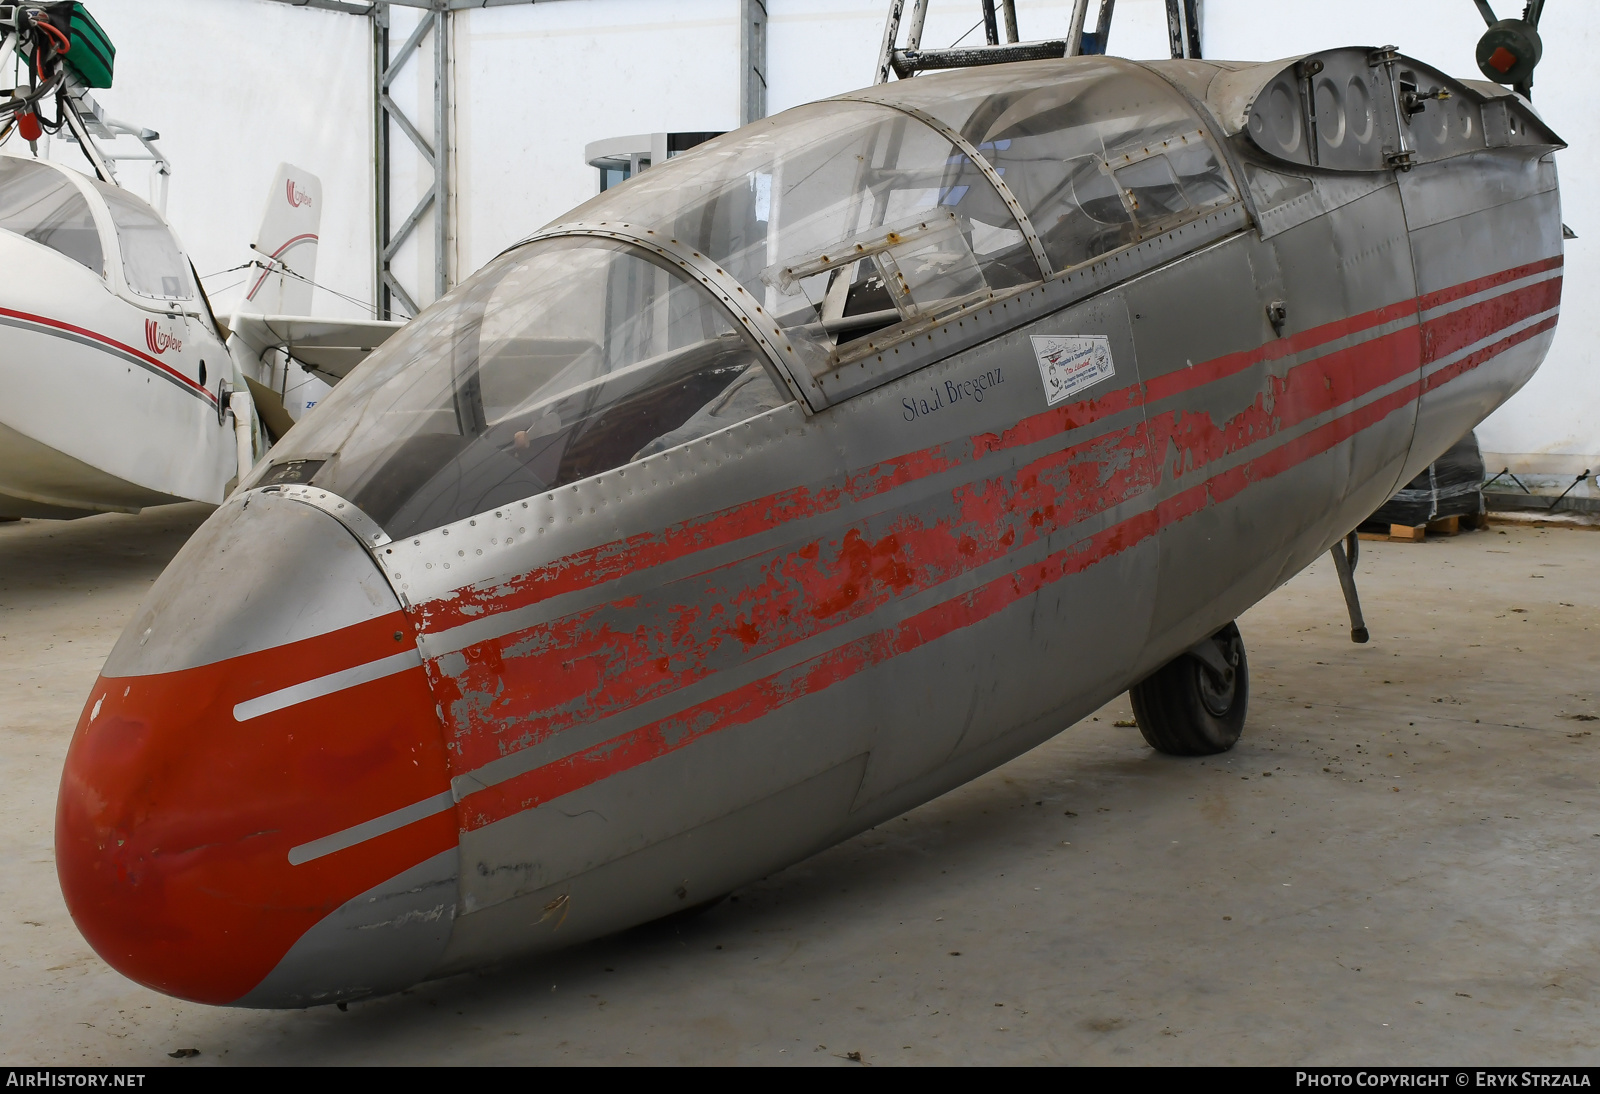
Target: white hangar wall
{"points": [[535, 84], [235, 86]]}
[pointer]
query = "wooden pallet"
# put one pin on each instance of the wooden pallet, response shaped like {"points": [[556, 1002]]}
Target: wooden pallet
{"points": [[1407, 533]]}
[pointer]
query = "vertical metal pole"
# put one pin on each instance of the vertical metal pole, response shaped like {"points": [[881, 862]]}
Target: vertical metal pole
{"points": [[1175, 27], [380, 160], [991, 30], [891, 31], [1102, 29], [919, 13], [1191, 22], [389, 116], [441, 152], [1080, 12], [1008, 8], [752, 61]]}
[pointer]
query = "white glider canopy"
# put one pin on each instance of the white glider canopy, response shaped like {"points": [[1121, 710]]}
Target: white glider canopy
{"points": [[42, 204]]}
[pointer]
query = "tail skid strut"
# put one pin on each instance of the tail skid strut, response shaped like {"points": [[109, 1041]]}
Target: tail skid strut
{"points": [[1344, 555]]}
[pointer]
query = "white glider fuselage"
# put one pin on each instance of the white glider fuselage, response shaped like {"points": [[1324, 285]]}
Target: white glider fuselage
{"points": [[110, 362]]}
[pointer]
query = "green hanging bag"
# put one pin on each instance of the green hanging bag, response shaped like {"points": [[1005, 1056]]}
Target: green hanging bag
{"points": [[92, 56]]}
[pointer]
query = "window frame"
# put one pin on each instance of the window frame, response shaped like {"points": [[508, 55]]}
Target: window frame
{"points": [[191, 305], [307, 462], [885, 354]]}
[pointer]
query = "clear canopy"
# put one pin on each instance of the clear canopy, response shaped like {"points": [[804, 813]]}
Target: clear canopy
{"points": [[572, 356], [560, 360], [844, 216], [840, 218], [41, 204], [153, 264], [1098, 152]]}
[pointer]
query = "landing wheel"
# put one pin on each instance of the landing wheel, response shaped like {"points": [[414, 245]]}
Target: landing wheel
{"points": [[1194, 705]]}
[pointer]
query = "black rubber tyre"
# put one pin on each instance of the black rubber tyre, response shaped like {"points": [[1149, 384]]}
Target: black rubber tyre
{"points": [[1185, 709]]}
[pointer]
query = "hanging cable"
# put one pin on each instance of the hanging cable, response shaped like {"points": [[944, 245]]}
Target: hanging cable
{"points": [[232, 285], [278, 265], [963, 38], [63, 45], [232, 269]]}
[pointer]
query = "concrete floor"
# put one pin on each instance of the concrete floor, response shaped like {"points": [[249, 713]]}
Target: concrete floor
{"points": [[1396, 865]]}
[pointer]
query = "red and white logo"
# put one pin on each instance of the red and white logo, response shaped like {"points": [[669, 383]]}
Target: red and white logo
{"points": [[297, 196], [159, 340]]}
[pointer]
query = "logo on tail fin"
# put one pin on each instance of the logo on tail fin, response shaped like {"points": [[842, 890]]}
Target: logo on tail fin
{"points": [[297, 196], [159, 340]]}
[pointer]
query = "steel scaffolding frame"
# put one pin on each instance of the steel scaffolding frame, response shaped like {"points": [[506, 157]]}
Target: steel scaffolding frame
{"points": [[387, 116], [752, 61], [436, 155]]}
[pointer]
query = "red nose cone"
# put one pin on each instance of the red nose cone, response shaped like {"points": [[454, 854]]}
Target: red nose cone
{"points": [[176, 819]]}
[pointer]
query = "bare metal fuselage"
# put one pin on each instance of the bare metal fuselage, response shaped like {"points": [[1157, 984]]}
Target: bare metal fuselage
{"points": [[582, 709]]}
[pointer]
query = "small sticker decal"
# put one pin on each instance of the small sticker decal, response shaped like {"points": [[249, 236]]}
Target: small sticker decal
{"points": [[1068, 363]]}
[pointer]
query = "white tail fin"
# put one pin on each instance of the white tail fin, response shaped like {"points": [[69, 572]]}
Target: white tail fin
{"points": [[287, 241]]}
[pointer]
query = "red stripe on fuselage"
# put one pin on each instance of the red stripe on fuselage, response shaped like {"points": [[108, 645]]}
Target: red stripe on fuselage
{"points": [[591, 665], [1473, 360], [144, 358], [1455, 331], [606, 562], [754, 700], [598, 565], [1198, 375], [1432, 300], [174, 820], [594, 664]]}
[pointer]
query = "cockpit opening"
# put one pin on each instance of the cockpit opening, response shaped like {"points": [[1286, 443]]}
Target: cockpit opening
{"points": [[577, 354], [850, 216], [560, 360]]}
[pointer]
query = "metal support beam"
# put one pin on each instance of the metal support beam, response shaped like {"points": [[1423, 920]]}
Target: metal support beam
{"points": [[387, 65], [1183, 28], [370, 7], [752, 61], [1080, 12], [441, 158], [891, 33], [919, 15], [1102, 29], [346, 6]]}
